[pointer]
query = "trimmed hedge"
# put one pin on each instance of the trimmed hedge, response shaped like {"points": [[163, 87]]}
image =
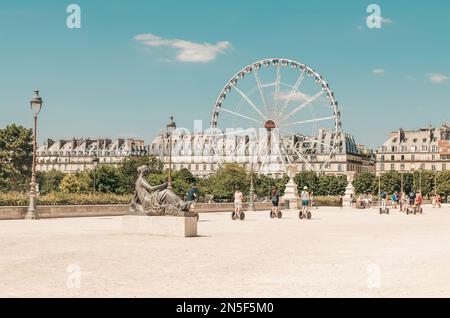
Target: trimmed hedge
{"points": [[59, 198]]}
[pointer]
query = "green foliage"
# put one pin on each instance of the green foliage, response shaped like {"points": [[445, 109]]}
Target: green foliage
{"points": [[62, 198], [128, 171], [364, 183], [181, 181], [309, 179], [16, 149], [224, 182], [424, 181], [49, 181], [108, 179], [443, 183]]}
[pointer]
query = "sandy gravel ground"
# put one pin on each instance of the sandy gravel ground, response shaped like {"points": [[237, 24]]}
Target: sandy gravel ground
{"points": [[339, 253]]}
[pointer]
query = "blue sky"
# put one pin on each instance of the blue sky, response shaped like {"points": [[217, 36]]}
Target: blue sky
{"points": [[99, 81]]}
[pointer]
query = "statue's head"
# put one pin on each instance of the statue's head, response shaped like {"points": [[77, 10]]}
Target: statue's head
{"points": [[143, 169]]}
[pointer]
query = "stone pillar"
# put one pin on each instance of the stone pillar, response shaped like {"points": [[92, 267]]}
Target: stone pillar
{"points": [[291, 191]]}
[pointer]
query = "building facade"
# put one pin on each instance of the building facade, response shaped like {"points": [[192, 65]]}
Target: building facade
{"points": [[411, 150], [198, 152], [77, 155]]}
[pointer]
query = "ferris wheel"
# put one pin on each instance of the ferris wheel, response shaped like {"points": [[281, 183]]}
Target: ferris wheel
{"points": [[275, 113]]}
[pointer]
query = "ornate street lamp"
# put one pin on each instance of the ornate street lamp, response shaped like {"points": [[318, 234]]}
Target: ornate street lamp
{"points": [[251, 203], [36, 105], [170, 128], [95, 162]]}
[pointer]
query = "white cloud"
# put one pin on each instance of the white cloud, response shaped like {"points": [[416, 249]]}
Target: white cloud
{"points": [[295, 97], [379, 71], [437, 78], [186, 51]]}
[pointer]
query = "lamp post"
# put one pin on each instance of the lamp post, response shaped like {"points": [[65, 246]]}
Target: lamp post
{"points": [[251, 203], [170, 128], [36, 105], [95, 162]]}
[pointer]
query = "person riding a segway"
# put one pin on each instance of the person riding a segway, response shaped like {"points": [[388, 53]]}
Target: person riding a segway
{"points": [[305, 197], [418, 203], [383, 197], [275, 198], [238, 214], [411, 201]]}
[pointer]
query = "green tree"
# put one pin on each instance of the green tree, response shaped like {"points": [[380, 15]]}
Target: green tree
{"points": [[70, 184], [309, 179], [49, 181], [181, 181], [16, 148], [108, 179], [364, 182], [424, 181], [223, 183], [443, 183], [128, 171]]}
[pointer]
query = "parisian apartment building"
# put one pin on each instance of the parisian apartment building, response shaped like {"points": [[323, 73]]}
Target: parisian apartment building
{"points": [[412, 150], [78, 154]]}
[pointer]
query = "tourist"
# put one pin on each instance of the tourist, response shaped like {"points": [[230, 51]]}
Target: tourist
{"points": [[305, 200], [418, 200], [238, 196], [191, 197], [438, 200], [383, 196], [404, 200], [412, 197], [394, 199], [275, 198]]}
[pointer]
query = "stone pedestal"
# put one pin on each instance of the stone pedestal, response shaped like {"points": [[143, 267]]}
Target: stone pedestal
{"points": [[291, 195], [160, 225], [349, 195]]}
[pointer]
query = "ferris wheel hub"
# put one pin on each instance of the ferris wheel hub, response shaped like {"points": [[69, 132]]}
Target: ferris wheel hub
{"points": [[270, 124]]}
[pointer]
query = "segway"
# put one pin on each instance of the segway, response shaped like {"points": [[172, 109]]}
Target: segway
{"points": [[274, 215], [235, 217], [418, 209], [384, 211], [307, 215]]}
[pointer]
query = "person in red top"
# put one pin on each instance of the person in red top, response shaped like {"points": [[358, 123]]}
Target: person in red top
{"points": [[419, 200]]}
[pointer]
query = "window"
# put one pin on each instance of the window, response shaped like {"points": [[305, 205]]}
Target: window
{"points": [[393, 149], [444, 167], [434, 148], [403, 158], [392, 158], [382, 157], [413, 157], [402, 167], [382, 167], [424, 148], [433, 157], [433, 167], [404, 149], [392, 166], [413, 148]]}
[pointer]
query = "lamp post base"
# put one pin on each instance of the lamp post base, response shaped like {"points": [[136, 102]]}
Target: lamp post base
{"points": [[30, 215]]}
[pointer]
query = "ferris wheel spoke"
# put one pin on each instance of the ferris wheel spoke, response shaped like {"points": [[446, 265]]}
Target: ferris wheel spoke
{"points": [[283, 160], [301, 157], [247, 99], [277, 87], [293, 90], [261, 92], [240, 115], [303, 105], [306, 138], [309, 121]]}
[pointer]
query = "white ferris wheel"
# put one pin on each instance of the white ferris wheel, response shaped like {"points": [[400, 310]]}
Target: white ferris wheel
{"points": [[275, 113]]}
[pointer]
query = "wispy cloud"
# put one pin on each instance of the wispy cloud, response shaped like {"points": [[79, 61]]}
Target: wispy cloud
{"points": [[437, 78], [186, 51], [295, 97], [379, 71]]}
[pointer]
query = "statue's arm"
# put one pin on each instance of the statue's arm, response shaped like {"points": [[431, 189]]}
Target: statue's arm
{"points": [[155, 188]]}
